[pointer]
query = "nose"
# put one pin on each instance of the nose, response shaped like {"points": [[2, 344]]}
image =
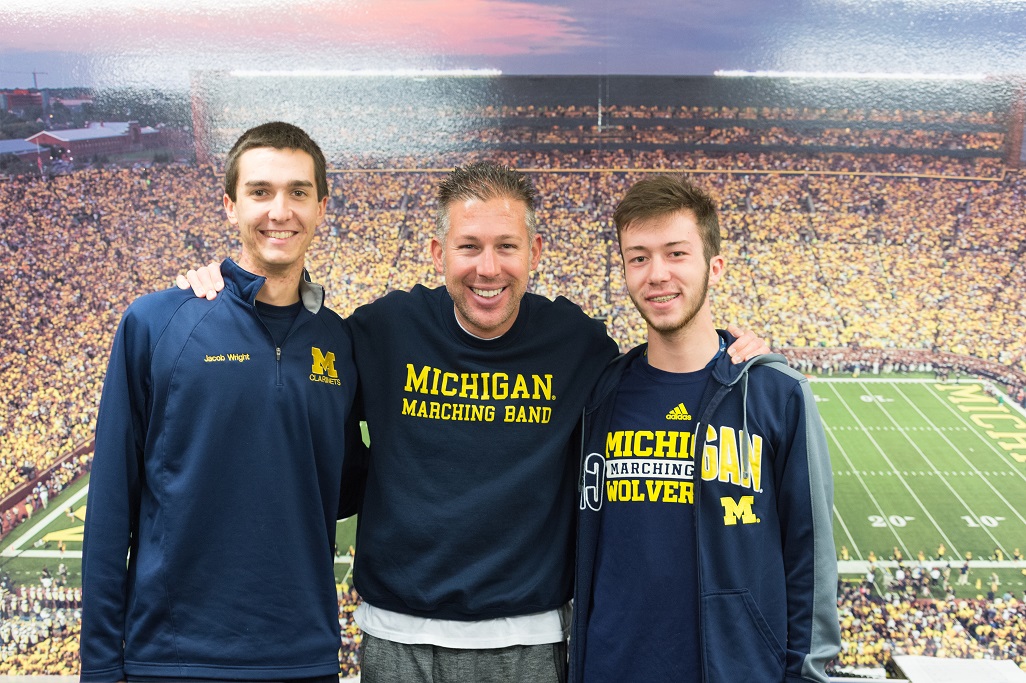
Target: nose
{"points": [[279, 210], [657, 270], [488, 263]]}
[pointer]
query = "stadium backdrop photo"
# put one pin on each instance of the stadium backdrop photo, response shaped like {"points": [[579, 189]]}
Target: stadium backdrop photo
{"points": [[874, 229]]}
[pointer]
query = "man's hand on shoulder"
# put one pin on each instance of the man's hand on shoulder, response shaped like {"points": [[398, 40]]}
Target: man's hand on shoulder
{"points": [[746, 346], [205, 281]]}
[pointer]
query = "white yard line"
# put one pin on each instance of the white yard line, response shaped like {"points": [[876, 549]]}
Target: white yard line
{"points": [[930, 464], [867, 489], [965, 459], [851, 539], [896, 471]]}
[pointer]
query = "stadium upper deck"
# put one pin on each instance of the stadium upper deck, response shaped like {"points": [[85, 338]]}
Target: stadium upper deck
{"points": [[388, 121]]}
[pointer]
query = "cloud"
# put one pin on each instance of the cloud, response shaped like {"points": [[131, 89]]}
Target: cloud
{"points": [[911, 36], [339, 27]]}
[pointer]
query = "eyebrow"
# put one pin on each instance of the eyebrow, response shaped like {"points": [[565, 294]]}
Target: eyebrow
{"points": [[509, 237], [267, 183], [675, 243]]}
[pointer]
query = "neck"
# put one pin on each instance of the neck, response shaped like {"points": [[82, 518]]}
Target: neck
{"points": [[686, 350], [281, 288], [279, 291]]}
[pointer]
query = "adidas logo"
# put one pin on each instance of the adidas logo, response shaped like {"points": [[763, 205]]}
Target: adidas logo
{"points": [[678, 413]]}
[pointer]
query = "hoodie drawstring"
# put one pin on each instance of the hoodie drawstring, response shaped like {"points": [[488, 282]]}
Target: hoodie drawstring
{"points": [[745, 438]]}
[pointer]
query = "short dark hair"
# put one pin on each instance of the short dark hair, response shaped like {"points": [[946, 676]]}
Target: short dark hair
{"points": [[662, 195], [277, 135], [484, 180]]}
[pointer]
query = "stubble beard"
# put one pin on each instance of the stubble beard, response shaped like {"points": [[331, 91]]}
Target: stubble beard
{"points": [[681, 323], [467, 314]]}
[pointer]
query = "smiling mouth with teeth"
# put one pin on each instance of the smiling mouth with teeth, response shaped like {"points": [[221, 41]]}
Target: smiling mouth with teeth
{"points": [[487, 293], [279, 234], [663, 299]]}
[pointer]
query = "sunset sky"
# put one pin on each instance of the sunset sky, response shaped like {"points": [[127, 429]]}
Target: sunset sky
{"points": [[143, 42]]}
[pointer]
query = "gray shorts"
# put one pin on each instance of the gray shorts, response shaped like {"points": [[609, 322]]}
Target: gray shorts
{"points": [[385, 661]]}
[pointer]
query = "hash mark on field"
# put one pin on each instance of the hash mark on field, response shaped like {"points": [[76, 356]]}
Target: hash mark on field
{"points": [[954, 492], [908, 487], [992, 447], [840, 450], [885, 428], [905, 473]]}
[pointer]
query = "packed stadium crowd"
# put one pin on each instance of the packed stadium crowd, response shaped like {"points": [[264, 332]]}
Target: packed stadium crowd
{"points": [[39, 633], [762, 126], [627, 156], [76, 249], [750, 113], [705, 136], [816, 261], [802, 139], [40, 625], [851, 262], [874, 628], [349, 655]]}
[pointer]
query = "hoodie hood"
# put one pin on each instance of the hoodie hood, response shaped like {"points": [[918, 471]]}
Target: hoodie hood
{"points": [[725, 372]]}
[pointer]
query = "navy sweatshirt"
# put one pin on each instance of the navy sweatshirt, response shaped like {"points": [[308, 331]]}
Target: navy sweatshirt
{"points": [[469, 505]]}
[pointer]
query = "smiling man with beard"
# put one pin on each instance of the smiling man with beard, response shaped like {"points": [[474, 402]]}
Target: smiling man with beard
{"points": [[705, 548]]}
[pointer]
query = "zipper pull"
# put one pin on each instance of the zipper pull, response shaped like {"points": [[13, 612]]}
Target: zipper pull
{"points": [[277, 353]]}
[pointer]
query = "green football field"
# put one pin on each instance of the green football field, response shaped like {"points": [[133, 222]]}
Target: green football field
{"points": [[917, 463], [920, 463]]}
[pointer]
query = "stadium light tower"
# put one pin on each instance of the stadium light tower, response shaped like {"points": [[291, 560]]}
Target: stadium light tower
{"points": [[857, 75], [368, 73]]}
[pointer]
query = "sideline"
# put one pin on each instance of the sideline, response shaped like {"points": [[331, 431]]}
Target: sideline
{"points": [[14, 549]]}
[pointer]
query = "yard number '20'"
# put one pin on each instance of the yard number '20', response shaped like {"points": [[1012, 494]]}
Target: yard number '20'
{"points": [[895, 520]]}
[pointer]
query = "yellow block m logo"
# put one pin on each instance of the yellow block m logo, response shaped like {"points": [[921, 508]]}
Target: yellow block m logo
{"points": [[323, 363], [733, 511]]}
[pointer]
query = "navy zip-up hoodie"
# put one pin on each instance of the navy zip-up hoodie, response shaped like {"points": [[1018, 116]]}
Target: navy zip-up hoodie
{"points": [[217, 471], [767, 571]]}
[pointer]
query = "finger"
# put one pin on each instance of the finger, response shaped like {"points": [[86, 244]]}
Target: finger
{"points": [[181, 282], [198, 288], [215, 276], [203, 276], [747, 344], [742, 338], [753, 347]]}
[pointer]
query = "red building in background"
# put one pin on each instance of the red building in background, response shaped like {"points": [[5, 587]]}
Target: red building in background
{"points": [[20, 99], [100, 138]]}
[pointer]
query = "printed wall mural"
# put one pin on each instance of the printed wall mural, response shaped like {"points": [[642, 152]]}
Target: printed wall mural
{"points": [[867, 157]]}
